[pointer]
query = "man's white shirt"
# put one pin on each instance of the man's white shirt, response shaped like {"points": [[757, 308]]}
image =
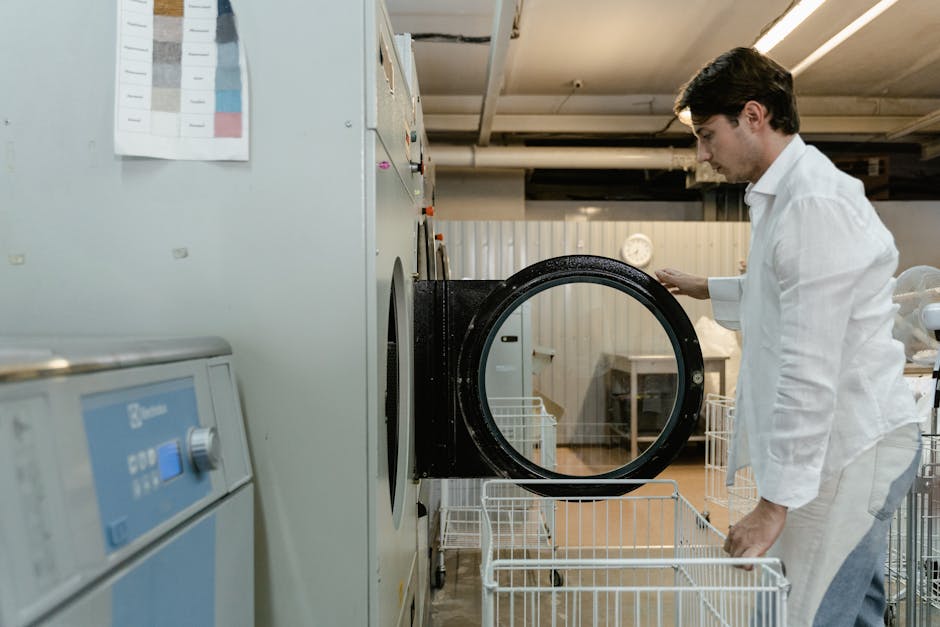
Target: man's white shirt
{"points": [[821, 377]]}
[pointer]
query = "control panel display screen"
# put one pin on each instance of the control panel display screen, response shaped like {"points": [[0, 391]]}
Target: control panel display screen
{"points": [[169, 461]]}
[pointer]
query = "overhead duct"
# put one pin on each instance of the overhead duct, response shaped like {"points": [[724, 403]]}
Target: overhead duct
{"points": [[528, 157]]}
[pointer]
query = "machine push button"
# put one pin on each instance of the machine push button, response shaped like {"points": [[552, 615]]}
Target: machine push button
{"points": [[117, 531]]}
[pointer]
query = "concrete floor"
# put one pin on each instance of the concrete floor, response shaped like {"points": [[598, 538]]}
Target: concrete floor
{"points": [[458, 602]]}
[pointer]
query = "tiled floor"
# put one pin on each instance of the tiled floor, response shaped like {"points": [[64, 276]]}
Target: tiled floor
{"points": [[458, 602]]}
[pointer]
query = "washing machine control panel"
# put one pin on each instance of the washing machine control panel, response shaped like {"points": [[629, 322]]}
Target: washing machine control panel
{"points": [[126, 482], [140, 444]]}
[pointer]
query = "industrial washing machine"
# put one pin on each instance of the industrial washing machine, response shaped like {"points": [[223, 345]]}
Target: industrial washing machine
{"points": [[301, 257], [485, 405], [126, 483]]}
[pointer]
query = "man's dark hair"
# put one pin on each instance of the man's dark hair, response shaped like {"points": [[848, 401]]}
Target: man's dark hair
{"points": [[727, 83]]}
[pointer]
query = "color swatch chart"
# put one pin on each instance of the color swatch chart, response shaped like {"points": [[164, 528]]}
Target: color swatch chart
{"points": [[181, 87]]}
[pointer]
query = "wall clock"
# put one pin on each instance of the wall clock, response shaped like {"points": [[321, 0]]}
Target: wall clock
{"points": [[637, 250]]}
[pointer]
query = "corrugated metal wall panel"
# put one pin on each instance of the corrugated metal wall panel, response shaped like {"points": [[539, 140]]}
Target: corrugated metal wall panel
{"points": [[581, 327]]}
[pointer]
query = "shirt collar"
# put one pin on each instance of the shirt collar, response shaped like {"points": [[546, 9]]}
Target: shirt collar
{"points": [[767, 184]]}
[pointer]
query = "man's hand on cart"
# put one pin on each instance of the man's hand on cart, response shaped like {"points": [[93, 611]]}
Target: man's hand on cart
{"points": [[754, 534]]}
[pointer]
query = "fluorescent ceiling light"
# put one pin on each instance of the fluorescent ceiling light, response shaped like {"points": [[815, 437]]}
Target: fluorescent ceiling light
{"points": [[785, 25], [842, 35]]}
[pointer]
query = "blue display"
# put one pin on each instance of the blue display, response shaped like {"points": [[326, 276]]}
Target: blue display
{"points": [[169, 461]]}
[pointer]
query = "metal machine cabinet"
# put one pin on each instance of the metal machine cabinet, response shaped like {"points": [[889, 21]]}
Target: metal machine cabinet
{"points": [[422, 168], [125, 473], [298, 257], [509, 366]]}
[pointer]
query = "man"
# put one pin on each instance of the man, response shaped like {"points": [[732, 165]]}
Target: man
{"points": [[822, 412]]}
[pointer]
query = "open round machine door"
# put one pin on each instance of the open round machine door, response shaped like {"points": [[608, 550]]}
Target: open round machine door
{"points": [[578, 367]]}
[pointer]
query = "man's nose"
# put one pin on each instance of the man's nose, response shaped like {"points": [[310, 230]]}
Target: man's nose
{"points": [[702, 153]]}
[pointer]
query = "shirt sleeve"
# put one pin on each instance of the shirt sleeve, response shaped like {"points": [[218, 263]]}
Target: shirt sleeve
{"points": [[725, 294], [819, 253]]}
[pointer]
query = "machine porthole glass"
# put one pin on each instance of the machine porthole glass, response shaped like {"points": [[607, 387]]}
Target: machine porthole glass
{"points": [[580, 367], [559, 378]]}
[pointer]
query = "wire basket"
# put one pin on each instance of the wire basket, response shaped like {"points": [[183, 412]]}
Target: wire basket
{"points": [[646, 558], [913, 564], [736, 500], [530, 429]]}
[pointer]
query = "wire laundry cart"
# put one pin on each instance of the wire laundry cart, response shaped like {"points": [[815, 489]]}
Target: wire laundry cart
{"points": [[741, 497], [645, 558], [913, 565], [527, 425]]}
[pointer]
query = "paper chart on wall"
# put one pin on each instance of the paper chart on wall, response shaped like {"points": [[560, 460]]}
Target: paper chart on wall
{"points": [[181, 81]]}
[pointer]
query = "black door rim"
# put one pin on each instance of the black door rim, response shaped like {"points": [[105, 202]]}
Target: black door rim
{"points": [[501, 456]]}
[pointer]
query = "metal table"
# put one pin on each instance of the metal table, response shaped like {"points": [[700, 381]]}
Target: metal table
{"points": [[637, 365]]}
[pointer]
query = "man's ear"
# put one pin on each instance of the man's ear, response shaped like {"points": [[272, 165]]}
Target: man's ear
{"points": [[755, 114]]}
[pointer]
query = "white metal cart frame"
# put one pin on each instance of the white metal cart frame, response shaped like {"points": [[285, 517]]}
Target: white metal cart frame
{"points": [[740, 497], [913, 564], [527, 425], [645, 558]]}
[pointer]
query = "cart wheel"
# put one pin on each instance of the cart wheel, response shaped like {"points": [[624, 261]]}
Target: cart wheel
{"points": [[557, 581], [440, 577]]}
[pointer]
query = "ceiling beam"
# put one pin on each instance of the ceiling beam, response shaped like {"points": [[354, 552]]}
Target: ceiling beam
{"points": [[661, 104], [930, 151], [902, 76], [503, 18], [928, 120]]}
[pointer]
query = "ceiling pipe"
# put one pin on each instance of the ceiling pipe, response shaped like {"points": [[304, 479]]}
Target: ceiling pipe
{"points": [[503, 19], [649, 124], [529, 157]]}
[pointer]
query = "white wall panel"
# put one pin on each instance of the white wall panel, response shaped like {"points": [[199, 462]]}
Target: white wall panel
{"points": [[915, 226], [582, 325]]}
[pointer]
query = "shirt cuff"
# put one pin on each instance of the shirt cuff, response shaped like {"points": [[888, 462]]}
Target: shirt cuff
{"points": [[725, 294], [787, 485]]}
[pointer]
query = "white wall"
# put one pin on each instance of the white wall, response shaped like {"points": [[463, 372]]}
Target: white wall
{"points": [[480, 194], [916, 227], [497, 249]]}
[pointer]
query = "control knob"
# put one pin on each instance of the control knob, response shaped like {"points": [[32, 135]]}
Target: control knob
{"points": [[204, 448]]}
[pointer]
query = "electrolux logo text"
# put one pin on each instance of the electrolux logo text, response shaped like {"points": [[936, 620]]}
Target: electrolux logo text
{"points": [[137, 414]]}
